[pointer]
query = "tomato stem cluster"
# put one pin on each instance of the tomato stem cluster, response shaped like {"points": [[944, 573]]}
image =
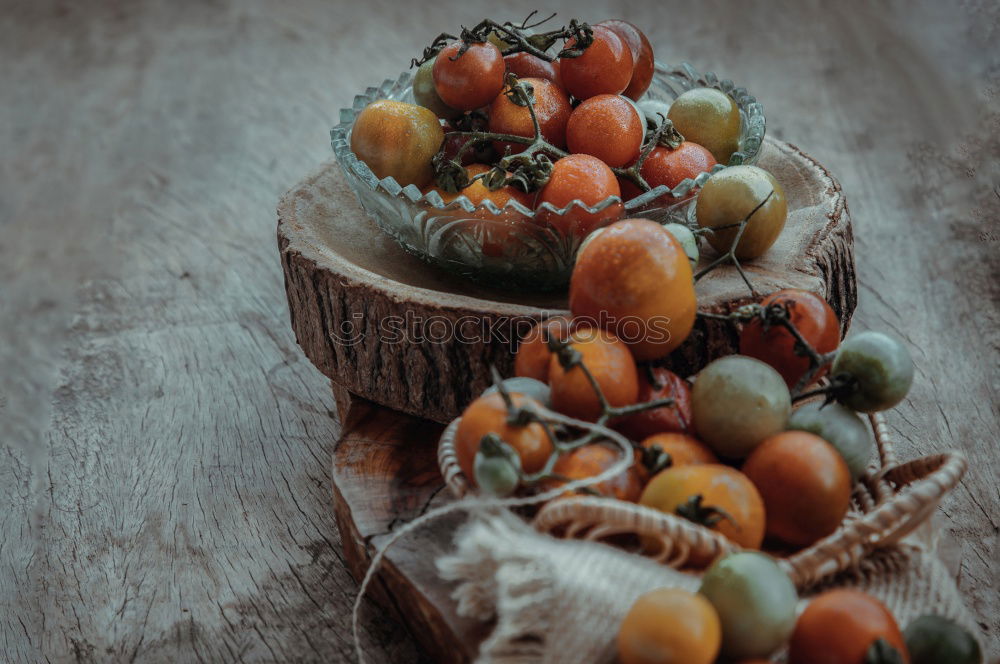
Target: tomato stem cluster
{"points": [[653, 458], [707, 515], [837, 385], [777, 313], [664, 134], [529, 169], [516, 39], [882, 652]]}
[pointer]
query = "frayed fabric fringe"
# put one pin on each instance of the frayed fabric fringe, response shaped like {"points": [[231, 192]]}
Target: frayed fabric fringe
{"points": [[554, 601]]}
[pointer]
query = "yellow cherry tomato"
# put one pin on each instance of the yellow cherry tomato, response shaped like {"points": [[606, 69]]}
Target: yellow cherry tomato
{"points": [[670, 626]]}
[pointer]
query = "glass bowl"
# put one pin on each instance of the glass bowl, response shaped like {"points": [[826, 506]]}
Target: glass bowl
{"points": [[515, 248]]}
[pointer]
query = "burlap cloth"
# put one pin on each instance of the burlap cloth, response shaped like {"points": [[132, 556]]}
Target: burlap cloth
{"points": [[561, 601]]}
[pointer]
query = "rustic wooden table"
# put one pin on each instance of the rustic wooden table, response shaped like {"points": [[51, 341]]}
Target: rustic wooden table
{"points": [[167, 447]]}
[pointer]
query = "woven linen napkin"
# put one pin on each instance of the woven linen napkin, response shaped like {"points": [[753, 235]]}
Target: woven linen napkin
{"points": [[561, 601]]}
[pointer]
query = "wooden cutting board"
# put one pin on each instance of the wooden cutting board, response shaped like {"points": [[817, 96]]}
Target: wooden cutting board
{"points": [[343, 275]]}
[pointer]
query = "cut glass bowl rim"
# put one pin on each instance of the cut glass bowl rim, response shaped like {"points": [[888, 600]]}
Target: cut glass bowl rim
{"points": [[752, 113]]}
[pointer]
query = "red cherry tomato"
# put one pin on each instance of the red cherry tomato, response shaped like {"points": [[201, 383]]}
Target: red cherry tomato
{"points": [[642, 55], [812, 317], [605, 67], [591, 460], [469, 81], [669, 167], [551, 108], [805, 484], [579, 176], [839, 627], [481, 153], [608, 127], [609, 362], [666, 418], [526, 65]]}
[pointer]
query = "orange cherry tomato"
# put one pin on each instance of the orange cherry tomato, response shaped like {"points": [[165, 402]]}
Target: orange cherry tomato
{"points": [[591, 460], [488, 414], [608, 127], [811, 316], [526, 65], [670, 626], [478, 193], [634, 278], [665, 385], [605, 67], [585, 178], [612, 366], [495, 233], [684, 450], [839, 626], [669, 167], [551, 108], [469, 81], [692, 491], [642, 55], [533, 354], [805, 483], [502, 234], [397, 139]]}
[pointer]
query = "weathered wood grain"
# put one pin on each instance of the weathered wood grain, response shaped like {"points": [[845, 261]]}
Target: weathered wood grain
{"points": [[385, 473], [391, 329], [144, 145]]}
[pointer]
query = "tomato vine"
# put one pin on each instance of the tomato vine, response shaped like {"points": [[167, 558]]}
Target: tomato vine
{"points": [[777, 313], [529, 170], [516, 39]]}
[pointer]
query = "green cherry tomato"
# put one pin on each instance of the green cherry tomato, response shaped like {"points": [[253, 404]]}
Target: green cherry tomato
{"points": [[425, 94], [529, 387], [880, 365], [729, 197], [755, 601], [935, 640], [496, 475], [710, 118], [839, 426], [687, 239], [737, 402]]}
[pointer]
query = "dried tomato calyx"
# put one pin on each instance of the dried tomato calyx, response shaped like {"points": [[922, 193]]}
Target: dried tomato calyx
{"points": [[706, 515], [882, 652]]}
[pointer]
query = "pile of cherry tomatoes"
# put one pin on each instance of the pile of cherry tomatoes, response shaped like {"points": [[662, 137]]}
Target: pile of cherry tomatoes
{"points": [[729, 453], [506, 114]]}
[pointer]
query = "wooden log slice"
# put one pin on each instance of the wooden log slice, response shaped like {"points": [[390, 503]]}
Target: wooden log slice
{"points": [[400, 333]]}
